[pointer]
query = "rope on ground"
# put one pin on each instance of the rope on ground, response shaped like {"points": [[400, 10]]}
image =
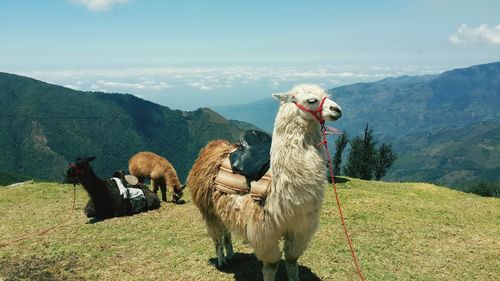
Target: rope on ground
{"points": [[44, 231]]}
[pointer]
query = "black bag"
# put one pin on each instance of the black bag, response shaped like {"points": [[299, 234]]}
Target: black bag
{"points": [[252, 157]]}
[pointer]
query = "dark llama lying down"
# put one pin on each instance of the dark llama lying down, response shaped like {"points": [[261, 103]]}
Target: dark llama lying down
{"points": [[106, 198]]}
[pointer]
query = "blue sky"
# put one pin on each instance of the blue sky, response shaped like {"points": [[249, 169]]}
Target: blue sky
{"points": [[166, 51]]}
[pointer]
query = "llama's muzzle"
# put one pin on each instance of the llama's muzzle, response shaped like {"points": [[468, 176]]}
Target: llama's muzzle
{"points": [[337, 111], [334, 112]]}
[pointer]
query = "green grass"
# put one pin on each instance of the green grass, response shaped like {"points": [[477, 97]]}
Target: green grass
{"points": [[401, 231]]}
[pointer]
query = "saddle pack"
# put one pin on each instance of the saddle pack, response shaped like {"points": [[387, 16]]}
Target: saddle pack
{"points": [[245, 169], [128, 186], [129, 189]]}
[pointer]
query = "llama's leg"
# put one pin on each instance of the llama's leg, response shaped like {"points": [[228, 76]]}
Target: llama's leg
{"points": [[295, 245], [293, 248], [269, 270], [163, 189], [269, 253], [292, 270], [140, 180], [228, 244], [155, 186], [216, 230], [90, 209], [219, 250]]}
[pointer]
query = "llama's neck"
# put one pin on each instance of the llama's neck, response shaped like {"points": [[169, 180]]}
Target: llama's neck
{"points": [[297, 163], [94, 186], [171, 179]]}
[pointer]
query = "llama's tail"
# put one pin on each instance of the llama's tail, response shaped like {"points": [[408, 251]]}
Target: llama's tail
{"points": [[201, 178]]}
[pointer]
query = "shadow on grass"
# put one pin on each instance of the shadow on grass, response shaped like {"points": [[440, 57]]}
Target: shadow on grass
{"points": [[246, 267], [338, 179], [181, 202]]}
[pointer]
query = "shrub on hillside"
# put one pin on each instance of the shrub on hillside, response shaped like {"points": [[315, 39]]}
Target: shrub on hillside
{"points": [[483, 188], [9, 178]]}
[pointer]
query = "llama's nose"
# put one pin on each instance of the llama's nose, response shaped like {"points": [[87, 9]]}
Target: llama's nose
{"points": [[337, 110]]}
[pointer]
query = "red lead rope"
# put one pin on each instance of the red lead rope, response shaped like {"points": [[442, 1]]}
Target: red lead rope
{"points": [[45, 231], [353, 253], [318, 115]]}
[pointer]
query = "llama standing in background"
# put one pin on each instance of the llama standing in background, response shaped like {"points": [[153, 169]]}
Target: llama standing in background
{"points": [[161, 173], [293, 205], [106, 200]]}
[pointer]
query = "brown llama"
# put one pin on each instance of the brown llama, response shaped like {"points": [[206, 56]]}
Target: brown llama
{"points": [[292, 207], [161, 173]]}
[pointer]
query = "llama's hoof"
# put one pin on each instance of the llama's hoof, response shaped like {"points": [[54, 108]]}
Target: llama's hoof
{"points": [[94, 220], [179, 201], [292, 270], [221, 266], [221, 262]]}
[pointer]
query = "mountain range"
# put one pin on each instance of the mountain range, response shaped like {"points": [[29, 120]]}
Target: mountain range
{"points": [[418, 114], [445, 128], [43, 127]]}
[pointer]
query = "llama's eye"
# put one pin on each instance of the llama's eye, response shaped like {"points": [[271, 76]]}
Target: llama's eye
{"points": [[312, 101]]}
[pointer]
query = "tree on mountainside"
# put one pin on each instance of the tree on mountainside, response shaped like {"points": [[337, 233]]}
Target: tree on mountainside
{"points": [[340, 144], [362, 156], [385, 158], [482, 187], [365, 161]]}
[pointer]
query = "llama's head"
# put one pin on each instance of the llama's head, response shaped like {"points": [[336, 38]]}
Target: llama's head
{"points": [[178, 194], [79, 168], [310, 102]]}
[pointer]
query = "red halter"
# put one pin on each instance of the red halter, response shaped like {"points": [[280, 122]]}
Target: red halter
{"points": [[77, 171], [316, 113]]}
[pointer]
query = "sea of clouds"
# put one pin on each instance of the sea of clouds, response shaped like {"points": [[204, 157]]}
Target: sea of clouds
{"points": [[190, 87]]}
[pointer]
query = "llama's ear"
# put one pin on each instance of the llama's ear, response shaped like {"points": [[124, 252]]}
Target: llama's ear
{"points": [[90, 158], [284, 97], [183, 186]]}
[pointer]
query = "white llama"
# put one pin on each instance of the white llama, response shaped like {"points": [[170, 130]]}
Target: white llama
{"points": [[292, 208]]}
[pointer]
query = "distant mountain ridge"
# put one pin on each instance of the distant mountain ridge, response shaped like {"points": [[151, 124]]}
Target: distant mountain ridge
{"points": [[433, 122], [408, 106], [44, 126], [402, 105]]}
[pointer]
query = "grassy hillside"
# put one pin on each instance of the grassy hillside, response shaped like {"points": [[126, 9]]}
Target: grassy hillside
{"points": [[402, 231]]}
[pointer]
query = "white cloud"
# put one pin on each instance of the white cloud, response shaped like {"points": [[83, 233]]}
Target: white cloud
{"points": [[234, 83], [98, 5], [188, 87], [482, 33], [112, 84], [74, 87], [144, 85], [97, 88], [200, 85], [346, 74], [160, 86]]}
